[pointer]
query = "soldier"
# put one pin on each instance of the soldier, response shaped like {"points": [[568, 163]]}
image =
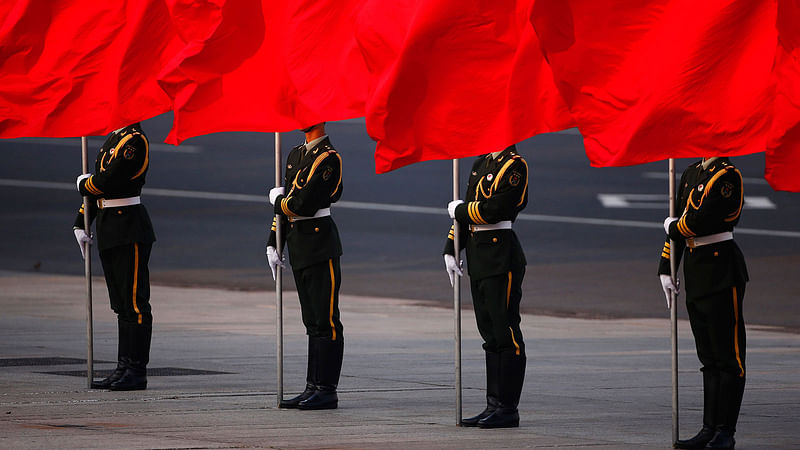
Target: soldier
{"points": [[496, 193], [124, 239], [715, 276], [314, 180]]}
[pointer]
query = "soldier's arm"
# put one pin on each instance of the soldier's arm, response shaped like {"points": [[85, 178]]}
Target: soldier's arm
{"points": [[323, 185], [449, 246], [92, 213], [668, 252], [273, 241], [128, 163], [721, 202], [507, 193]]}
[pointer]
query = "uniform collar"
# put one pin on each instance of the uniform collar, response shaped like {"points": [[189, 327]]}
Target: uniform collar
{"points": [[311, 145]]}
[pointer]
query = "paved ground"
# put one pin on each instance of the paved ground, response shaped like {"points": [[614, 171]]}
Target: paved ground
{"points": [[590, 383]]}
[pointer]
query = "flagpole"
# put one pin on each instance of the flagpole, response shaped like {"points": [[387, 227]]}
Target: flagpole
{"points": [[457, 299], [87, 268], [278, 279], [673, 307]]}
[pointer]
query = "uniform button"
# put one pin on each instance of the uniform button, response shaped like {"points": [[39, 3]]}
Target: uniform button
{"points": [[494, 239], [291, 226], [316, 229], [119, 212]]}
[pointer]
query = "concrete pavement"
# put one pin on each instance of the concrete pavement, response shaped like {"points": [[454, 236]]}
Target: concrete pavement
{"points": [[590, 383]]}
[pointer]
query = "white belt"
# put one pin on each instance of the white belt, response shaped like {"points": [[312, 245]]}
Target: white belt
{"points": [[698, 241], [320, 213], [502, 225], [117, 202]]}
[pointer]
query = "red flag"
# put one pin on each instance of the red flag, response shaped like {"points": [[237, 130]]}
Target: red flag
{"points": [[264, 65], [81, 67], [451, 79], [783, 151], [656, 79]]}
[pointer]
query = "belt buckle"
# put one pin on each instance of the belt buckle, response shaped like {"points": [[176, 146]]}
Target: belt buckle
{"points": [[100, 203], [690, 242]]}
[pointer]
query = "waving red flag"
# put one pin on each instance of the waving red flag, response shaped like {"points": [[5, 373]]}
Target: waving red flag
{"points": [[655, 79], [452, 79], [264, 65], [783, 151], [81, 67]]}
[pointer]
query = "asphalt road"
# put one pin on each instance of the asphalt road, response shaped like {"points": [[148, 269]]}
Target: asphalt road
{"points": [[592, 236]]}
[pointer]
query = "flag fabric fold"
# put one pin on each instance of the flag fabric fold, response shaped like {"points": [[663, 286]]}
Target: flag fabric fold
{"points": [[662, 79], [263, 65], [81, 67], [450, 79]]}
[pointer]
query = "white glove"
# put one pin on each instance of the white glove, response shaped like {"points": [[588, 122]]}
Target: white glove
{"points": [[452, 268], [274, 260], [81, 178], [667, 222], [669, 287], [451, 208], [275, 192], [82, 238]]}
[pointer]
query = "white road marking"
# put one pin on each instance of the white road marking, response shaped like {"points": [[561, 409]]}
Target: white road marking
{"points": [[262, 199], [657, 201], [95, 144]]}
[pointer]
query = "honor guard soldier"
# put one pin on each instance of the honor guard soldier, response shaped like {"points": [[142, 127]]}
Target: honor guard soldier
{"points": [[496, 193], [314, 181], [715, 275], [124, 239]]}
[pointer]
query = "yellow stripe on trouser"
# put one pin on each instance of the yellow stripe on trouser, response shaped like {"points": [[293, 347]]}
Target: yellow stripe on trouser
{"points": [[508, 299], [333, 289], [736, 331], [136, 279]]}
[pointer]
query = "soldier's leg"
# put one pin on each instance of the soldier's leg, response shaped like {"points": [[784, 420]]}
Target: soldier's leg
{"points": [[323, 282], [728, 342], [504, 293], [301, 278], [115, 300], [492, 356], [131, 279]]}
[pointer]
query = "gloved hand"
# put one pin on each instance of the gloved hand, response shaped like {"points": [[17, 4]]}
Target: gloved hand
{"points": [[452, 268], [274, 260], [275, 192], [667, 222], [669, 287], [81, 237], [81, 178], [451, 208]]}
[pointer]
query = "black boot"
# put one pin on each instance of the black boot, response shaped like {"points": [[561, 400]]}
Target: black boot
{"points": [[492, 390], [710, 395], [135, 376], [122, 359], [311, 376], [330, 366], [512, 376], [731, 391]]}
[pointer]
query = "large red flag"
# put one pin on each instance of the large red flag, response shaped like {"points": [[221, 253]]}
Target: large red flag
{"points": [[264, 65], [451, 79], [81, 67], [656, 79], [783, 151]]}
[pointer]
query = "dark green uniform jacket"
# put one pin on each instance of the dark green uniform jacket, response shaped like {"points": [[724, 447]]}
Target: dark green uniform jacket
{"points": [[497, 191], [313, 181], [710, 201], [119, 172]]}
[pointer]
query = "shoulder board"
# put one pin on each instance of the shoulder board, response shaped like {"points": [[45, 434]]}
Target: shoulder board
{"points": [[515, 156]]}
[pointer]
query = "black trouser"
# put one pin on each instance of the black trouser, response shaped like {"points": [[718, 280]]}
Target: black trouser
{"points": [[318, 289], [128, 282], [719, 333], [496, 302]]}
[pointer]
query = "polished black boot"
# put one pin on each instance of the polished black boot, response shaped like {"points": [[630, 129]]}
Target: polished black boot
{"points": [[710, 395], [135, 376], [311, 376], [731, 391], [492, 390], [331, 354], [122, 359], [512, 376]]}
